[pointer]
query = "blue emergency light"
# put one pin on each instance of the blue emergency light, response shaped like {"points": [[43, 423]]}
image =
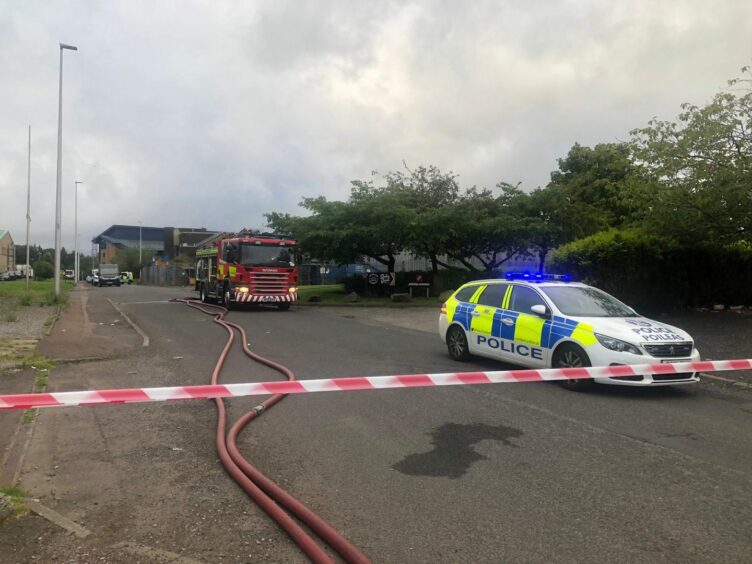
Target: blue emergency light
{"points": [[537, 277]]}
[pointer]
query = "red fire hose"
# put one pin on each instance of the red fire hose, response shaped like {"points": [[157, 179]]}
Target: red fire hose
{"points": [[273, 499]]}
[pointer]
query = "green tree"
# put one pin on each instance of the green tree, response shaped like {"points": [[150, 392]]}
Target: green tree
{"points": [[127, 260], [598, 182], [700, 169], [43, 270]]}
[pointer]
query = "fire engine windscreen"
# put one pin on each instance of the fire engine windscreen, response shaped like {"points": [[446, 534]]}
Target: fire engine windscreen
{"points": [[266, 255]]}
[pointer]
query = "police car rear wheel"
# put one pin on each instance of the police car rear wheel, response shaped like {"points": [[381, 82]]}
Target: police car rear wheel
{"points": [[572, 356], [457, 344]]}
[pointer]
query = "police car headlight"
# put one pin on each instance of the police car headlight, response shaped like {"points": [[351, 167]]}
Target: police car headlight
{"points": [[616, 344]]}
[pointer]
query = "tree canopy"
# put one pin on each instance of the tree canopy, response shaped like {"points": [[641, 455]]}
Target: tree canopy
{"points": [[686, 181]]}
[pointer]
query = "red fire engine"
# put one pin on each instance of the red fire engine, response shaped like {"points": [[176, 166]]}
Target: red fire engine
{"points": [[247, 267]]}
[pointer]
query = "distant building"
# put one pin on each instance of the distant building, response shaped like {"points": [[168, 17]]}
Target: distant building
{"points": [[116, 237], [161, 243], [7, 252], [183, 240]]}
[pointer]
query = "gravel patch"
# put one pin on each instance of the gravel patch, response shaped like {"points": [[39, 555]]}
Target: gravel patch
{"points": [[31, 320]]}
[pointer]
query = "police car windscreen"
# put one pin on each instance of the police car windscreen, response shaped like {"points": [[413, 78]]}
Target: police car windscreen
{"points": [[265, 255], [587, 302]]}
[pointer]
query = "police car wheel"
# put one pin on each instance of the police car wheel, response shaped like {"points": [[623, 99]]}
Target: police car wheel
{"points": [[457, 344], [572, 356]]}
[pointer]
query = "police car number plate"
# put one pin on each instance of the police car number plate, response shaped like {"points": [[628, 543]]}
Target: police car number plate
{"points": [[268, 299], [675, 360]]}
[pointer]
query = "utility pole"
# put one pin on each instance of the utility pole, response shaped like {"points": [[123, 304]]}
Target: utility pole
{"points": [[75, 231], [28, 210], [59, 186]]}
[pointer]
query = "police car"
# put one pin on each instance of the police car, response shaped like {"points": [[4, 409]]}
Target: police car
{"points": [[547, 321]]}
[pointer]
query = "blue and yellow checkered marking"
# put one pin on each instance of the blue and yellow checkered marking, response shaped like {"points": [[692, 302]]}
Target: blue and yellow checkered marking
{"points": [[527, 329]]}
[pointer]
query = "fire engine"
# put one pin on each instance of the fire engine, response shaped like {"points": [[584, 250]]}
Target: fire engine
{"points": [[247, 267]]}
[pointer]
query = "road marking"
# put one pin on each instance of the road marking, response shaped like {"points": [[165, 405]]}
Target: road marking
{"points": [[138, 329]]}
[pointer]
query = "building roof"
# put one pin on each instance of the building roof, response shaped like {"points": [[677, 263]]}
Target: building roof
{"points": [[127, 234], [3, 232]]}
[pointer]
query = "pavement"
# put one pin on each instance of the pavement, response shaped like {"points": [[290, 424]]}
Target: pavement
{"points": [[518, 472], [88, 330]]}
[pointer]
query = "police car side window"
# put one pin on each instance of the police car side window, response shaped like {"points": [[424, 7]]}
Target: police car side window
{"points": [[493, 295], [523, 299], [466, 293]]}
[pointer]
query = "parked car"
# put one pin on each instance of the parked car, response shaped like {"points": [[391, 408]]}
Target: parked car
{"points": [[545, 321]]}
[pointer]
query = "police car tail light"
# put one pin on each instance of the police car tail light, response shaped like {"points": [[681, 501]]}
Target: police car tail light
{"points": [[616, 344], [537, 276], [443, 309]]}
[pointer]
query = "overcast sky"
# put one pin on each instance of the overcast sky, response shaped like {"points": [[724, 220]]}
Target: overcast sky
{"points": [[212, 113]]}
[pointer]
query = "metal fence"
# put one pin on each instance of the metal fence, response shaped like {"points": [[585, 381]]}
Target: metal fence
{"points": [[165, 276]]}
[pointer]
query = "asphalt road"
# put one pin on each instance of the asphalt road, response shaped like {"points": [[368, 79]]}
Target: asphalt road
{"points": [[518, 472]]}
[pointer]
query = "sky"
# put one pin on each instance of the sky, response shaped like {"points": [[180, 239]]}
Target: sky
{"points": [[209, 114]]}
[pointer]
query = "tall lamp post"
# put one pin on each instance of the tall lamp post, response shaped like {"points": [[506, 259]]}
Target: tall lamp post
{"points": [[28, 210], [59, 187], [76, 272]]}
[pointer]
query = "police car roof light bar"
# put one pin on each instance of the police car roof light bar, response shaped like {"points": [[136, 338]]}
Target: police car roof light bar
{"points": [[537, 277]]}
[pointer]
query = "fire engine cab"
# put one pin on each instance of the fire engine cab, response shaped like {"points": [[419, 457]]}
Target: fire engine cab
{"points": [[247, 267]]}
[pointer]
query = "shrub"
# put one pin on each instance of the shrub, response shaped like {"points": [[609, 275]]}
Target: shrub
{"points": [[43, 270], [655, 275]]}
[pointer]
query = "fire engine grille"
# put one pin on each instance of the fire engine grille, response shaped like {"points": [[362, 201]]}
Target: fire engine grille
{"points": [[268, 283], [673, 350]]}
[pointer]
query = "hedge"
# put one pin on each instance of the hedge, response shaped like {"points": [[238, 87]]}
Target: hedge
{"points": [[655, 275]]}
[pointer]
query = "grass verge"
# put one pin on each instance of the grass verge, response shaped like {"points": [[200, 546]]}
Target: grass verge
{"points": [[40, 292]]}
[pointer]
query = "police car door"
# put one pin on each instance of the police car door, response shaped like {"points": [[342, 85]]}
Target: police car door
{"points": [[485, 319], [531, 331]]}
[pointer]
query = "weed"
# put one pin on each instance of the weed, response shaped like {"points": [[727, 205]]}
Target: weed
{"points": [[10, 317], [25, 299], [38, 363], [52, 299], [17, 496], [29, 415], [41, 382], [12, 491]]}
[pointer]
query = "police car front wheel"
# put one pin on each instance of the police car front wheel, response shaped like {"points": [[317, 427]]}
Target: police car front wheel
{"points": [[572, 356], [457, 343]]}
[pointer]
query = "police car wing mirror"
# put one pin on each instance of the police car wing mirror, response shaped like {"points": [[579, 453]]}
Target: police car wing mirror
{"points": [[540, 310]]}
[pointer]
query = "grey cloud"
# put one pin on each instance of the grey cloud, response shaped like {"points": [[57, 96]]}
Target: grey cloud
{"points": [[210, 114]]}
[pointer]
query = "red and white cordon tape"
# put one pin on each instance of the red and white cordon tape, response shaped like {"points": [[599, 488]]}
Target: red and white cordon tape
{"points": [[136, 395]]}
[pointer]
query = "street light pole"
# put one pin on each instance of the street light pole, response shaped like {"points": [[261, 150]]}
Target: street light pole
{"points": [[140, 225], [75, 231], [28, 210], [59, 186]]}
